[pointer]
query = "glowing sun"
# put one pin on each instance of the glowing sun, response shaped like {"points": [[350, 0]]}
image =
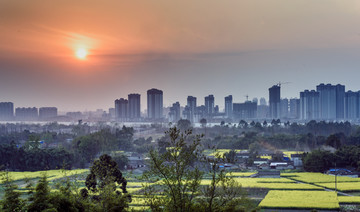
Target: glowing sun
{"points": [[81, 53]]}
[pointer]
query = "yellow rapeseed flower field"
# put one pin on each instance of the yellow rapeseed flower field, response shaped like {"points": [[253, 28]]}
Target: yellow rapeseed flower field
{"points": [[289, 153], [342, 186], [348, 199], [240, 174], [270, 183], [312, 177], [300, 200], [51, 174]]}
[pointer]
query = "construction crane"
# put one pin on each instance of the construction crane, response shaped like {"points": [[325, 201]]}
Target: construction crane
{"points": [[247, 97], [282, 83]]}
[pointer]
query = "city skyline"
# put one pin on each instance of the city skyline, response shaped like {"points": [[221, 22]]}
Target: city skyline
{"points": [[329, 102], [83, 55], [217, 101]]}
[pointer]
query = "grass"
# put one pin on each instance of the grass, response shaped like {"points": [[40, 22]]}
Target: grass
{"points": [[300, 200]]}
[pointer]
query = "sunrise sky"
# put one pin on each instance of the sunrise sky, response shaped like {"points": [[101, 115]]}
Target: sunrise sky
{"points": [[82, 55]]}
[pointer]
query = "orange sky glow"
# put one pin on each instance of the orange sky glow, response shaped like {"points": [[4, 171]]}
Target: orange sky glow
{"points": [[216, 47]]}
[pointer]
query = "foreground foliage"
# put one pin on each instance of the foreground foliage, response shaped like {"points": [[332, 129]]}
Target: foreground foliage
{"points": [[181, 167], [181, 180]]}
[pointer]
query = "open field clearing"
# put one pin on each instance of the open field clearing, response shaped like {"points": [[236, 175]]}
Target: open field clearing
{"points": [[300, 200], [310, 177], [345, 187], [51, 174], [289, 153], [240, 174], [221, 152], [273, 183], [348, 200], [266, 157]]}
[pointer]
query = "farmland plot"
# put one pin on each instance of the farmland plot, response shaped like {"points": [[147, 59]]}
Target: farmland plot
{"points": [[300, 200]]}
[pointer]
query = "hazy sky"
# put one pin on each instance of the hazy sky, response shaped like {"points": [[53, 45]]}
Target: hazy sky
{"points": [[188, 47]]}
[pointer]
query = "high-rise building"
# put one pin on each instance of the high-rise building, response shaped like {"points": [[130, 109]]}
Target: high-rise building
{"points": [[294, 108], [263, 112], [121, 109], [200, 113], [331, 101], [186, 113], [229, 106], [75, 115], [255, 100], [351, 105], [284, 108], [309, 105], [174, 114], [274, 101], [216, 109], [155, 104], [209, 105], [247, 110], [112, 113], [26, 114], [47, 113], [191, 108], [340, 96], [134, 106], [262, 101], [6, 111]]}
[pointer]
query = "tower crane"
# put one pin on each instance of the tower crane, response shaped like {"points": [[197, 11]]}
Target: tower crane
{"points": [[247, 97], [282, 83]]}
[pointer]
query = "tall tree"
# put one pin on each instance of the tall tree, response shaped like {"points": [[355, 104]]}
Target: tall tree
{"points": [[102, 182], [40, 199], [180, 178], [11, 200], [223, 193]]}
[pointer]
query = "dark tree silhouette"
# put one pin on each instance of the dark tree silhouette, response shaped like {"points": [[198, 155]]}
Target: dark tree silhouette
{"points": [[103, 172]]}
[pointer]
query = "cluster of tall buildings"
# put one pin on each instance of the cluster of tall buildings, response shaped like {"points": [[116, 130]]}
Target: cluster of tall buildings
{"points": [[329, 102], [282, 108], [26, 114], [129, 109], [195, 113]]}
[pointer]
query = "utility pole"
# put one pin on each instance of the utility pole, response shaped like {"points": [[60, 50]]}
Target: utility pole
{"points": [[335, 178]]}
